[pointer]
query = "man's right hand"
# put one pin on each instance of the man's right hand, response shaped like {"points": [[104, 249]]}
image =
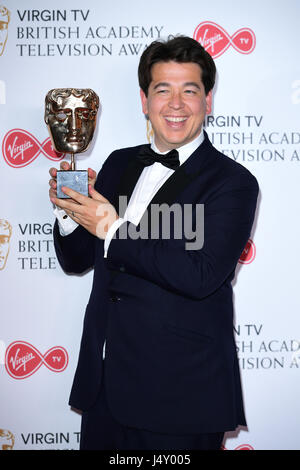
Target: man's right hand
{"points": [[92, 175]]}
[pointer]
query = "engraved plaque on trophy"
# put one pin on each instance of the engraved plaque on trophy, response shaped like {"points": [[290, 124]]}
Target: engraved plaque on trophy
{"points": [[70, 115]]}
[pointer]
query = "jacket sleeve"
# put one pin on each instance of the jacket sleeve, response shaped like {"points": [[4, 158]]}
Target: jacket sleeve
{"points": [[228, 219], [76, 252]]}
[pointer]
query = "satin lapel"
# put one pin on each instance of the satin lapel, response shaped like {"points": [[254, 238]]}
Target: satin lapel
{"points": [[184, 175], [166, 194], [127, 185], [174, 185]]}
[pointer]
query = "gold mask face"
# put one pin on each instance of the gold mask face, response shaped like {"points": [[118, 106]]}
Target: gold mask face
{"points": [[5, 234], [7, 440], [70, 115], [4, 21]]}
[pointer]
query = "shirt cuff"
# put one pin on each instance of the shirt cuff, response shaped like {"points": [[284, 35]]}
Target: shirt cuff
{"points": [[66, 225], [109, 236]]}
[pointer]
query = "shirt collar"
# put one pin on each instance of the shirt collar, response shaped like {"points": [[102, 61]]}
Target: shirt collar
{"points": [[186, 150]]}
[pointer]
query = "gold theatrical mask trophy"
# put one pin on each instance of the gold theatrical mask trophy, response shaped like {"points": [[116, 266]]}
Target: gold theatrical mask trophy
{"points": [[70, 115]]}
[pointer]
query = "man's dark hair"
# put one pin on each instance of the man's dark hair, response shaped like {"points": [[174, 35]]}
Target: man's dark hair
{"points": [[180, 49]]}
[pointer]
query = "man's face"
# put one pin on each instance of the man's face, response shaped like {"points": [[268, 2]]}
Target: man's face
{"points": [[3, 35], [71, 124], [176, 103]]}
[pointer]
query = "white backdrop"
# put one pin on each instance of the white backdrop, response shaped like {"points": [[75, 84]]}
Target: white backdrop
{"points": [[255, 120]]}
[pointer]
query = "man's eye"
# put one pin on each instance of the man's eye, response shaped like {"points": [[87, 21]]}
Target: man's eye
{"points": [[190, 92]]}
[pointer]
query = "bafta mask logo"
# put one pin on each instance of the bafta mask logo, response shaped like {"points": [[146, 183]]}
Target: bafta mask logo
{"points": [[7, 440], [70, 115], [5, 234], [4, 21]]}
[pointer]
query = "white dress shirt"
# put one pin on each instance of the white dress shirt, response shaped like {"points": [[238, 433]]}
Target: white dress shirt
{"points": [[149, 182]]}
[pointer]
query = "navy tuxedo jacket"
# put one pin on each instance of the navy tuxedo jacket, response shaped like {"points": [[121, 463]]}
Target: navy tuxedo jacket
{"points": [[165, 312]]}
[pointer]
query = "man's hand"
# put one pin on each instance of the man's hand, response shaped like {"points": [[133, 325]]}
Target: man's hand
{"points": [[94, 213], [92, 175]]}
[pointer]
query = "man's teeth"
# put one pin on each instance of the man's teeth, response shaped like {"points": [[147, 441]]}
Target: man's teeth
{"points": [[176, 119]]}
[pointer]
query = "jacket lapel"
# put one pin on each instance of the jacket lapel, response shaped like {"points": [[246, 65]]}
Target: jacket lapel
{"points": [[127, 184], [174, 185]]}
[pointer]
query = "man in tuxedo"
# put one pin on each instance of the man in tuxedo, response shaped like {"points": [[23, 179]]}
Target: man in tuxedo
{"points": [[158, 367]]}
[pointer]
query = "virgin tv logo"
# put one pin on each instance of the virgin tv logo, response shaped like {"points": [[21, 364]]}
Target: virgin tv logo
{"points": [[240, 447], [22, 359], [20, 148], [249, 253], [216, 40]]}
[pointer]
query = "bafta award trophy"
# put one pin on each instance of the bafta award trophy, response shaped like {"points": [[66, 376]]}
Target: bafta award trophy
{"points": [[70, 115]]}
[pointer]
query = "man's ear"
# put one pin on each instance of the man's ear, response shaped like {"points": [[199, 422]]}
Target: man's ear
{"points": [[144, 101], [208, 102]]}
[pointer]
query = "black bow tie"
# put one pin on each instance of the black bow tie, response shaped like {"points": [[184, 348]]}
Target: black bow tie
{"points": [[147, 157]]}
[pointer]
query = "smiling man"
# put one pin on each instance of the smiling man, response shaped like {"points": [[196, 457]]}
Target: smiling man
{"points": [[158, 367], [176, 103]]}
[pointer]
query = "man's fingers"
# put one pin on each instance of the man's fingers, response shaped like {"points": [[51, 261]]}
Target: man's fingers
{"points": [[65, 166], [67, 204], [53, 172], [52, 184], [77, 197], [95, 195], [52, 193], [70, 213], [92, 175]]}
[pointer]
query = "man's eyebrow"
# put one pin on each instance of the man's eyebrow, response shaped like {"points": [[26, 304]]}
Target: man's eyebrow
{"points": [[194, 84], [161, 84]]}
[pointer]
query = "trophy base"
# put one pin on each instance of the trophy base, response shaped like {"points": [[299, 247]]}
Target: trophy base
{"points": [[76, 180]]}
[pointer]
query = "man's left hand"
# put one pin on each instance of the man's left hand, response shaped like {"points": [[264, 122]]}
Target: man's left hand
{"points": [[94, 213]]}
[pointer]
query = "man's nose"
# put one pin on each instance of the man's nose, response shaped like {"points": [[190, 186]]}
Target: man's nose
{"points": [[176, 101]]}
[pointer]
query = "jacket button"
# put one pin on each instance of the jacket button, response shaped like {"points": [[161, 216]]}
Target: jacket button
{"points": [[115, 298], [122, 269]]}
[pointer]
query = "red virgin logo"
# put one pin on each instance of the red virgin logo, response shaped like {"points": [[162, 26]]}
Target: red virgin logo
{"points": [[22, 359], [216, 40], [240, 447], [19, 148], [248, 253]]}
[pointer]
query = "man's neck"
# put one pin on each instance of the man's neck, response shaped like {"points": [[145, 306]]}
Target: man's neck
{"points": [[185, 150]]}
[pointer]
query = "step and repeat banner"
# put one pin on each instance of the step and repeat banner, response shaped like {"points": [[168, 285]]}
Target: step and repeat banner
{"points": [[255, 121]]}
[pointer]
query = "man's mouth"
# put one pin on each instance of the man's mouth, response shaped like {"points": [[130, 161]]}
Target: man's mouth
{"points": [[175, 118]]}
